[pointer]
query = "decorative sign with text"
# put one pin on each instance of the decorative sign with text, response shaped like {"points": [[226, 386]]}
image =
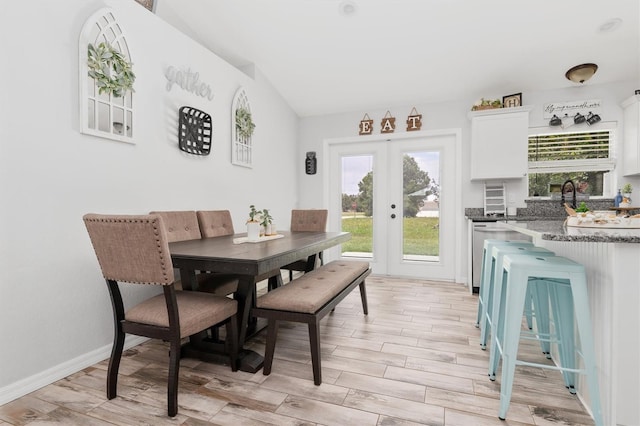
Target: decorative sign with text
{"points": [[571, 108], [388, 124], [189, 81], [366, 125], [414, 120]]}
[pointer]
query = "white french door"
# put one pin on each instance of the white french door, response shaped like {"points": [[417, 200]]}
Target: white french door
{"points": [[402, 222]]}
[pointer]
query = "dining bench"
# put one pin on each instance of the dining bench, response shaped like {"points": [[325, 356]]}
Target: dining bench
{"points": [[307, 300]]}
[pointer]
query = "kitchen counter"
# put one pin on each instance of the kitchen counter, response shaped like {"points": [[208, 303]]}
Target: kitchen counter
{"points": [[613, 270], [554, 230]]}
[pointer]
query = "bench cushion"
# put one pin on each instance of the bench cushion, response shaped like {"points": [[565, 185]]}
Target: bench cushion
{"points": [[314, 289]]}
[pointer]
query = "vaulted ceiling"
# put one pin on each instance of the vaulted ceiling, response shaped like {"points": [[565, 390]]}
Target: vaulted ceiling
{"points": [[332, 56]]}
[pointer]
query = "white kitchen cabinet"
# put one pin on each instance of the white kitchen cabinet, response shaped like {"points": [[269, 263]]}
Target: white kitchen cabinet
{"points": [[499, 139], [630, 149]]}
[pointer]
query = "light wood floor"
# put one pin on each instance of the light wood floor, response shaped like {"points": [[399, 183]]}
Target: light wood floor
{"points": [[415, 359]]}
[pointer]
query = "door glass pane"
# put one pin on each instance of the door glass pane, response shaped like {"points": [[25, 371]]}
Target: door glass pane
{"points": [[421, 209], [357, 205]]}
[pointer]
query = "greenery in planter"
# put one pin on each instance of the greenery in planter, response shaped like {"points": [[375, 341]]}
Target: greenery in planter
{"points": [[582, 208], [254, 215], [244, 123], [627, 188], [266, 218], [110, 69], [487, 103]]}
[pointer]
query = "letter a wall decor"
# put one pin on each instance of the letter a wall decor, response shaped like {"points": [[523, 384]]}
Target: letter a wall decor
{"points": [[388, 124]]}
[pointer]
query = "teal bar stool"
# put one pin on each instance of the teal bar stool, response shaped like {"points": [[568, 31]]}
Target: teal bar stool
{"points": [[540, 312], [565, 283], [486, 268]]}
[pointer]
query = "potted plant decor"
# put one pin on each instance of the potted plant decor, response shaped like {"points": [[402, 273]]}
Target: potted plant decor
{"points": [[266, 223], [253, 224], [627, 188], [486, 104]]}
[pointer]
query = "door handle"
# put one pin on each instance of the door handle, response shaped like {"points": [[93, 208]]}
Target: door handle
{"points": [[393, 216]]}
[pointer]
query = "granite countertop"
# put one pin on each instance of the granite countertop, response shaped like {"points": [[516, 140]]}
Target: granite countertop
{"points": [[482, 218], [554, 230]]}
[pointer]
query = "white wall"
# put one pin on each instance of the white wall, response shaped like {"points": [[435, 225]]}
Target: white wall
{"points": [[55, 313], [451, 115]]}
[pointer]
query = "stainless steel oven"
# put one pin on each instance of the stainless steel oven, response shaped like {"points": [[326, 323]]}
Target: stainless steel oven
{"points": [[487, 231]]}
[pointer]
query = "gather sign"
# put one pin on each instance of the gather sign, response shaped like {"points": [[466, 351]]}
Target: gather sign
{"points": [[189, 81]]}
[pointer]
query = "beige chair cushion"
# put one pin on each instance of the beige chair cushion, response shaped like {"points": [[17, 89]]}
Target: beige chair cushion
{"points": [[215, 223], [197, 311], [309, 220], [180, 225], [314, 289]]}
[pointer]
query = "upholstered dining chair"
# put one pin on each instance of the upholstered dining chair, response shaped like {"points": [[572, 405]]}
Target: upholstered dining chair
{"points": [[313, 220], [215, 223], [135, 249], [182, 225]]}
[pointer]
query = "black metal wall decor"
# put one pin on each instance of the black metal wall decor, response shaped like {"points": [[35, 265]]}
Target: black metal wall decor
{"points": [[194, 131], [310, 163]]}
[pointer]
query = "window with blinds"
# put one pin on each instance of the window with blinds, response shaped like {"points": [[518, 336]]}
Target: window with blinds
{"points": [[583, 157]]}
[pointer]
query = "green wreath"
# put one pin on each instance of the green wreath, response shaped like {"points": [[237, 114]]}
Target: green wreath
{"points": [[110, 69], [244, 123]]}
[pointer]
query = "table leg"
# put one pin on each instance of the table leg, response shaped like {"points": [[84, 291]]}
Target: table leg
{"points": [[250, 361], [311, 263], [188, 279]]}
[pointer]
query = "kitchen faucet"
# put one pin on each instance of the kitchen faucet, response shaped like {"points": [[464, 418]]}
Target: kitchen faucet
{"points": [[573, 186]]}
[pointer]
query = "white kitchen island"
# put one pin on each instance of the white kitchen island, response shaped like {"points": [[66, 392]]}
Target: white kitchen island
{"points": [[612, 260]]}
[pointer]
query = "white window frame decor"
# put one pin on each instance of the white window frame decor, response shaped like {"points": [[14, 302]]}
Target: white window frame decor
{"points": [[241, 131], [106, 111], [601, 164]]}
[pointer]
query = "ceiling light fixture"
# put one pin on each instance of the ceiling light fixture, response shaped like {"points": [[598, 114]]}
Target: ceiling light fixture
{"points": [[347, 8], [610, 25], [581, 73]]}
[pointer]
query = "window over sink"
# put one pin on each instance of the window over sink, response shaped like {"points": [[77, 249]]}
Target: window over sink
{"points": [[584, 157]]}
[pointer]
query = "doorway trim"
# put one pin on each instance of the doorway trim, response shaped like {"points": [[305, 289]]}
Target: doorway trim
{"points": [[334, 253]]}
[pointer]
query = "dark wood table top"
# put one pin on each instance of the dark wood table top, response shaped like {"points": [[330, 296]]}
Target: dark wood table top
{"points": [[252, 262], [220, 254]]}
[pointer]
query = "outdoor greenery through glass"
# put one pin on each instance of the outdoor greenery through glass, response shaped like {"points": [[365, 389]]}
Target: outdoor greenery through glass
{"points": [[420, 234], [580, 157]]}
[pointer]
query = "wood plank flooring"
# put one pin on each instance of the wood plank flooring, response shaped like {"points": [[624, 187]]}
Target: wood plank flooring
{"points": [[415, 359]]}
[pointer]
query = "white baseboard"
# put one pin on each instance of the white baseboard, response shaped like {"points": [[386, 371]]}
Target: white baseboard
{"points": [[60, 371]]}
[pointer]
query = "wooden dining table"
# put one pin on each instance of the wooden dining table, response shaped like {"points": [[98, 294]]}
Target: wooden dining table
{"points": [[253, 262]]}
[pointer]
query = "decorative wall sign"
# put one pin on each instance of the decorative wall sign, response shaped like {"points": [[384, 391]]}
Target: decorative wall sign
{"points": [[106, 78], [194, 131], [414, 120], [572, 108], [388, 123], [366, 125], [510, 101], [189, 81]]}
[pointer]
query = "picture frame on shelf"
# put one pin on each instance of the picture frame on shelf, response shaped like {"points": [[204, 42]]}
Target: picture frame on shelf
{"points": [[511, 101]]}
